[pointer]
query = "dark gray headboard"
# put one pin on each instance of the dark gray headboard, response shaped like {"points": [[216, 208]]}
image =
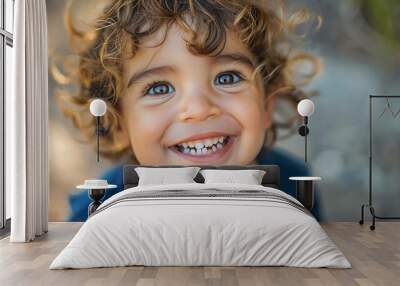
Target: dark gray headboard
{"points": [[271, 177]]}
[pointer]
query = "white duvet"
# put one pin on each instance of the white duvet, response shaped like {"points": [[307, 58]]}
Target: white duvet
{"points": [[206, 230]]}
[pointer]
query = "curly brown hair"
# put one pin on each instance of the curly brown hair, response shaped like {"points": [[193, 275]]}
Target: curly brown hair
{"points": [[262, 26]]}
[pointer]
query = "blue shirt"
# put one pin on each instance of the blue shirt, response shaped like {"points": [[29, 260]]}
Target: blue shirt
{"points": [[289, 166]]}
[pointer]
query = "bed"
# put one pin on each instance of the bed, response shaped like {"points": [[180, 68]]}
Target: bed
{"points": [[198, 224]]}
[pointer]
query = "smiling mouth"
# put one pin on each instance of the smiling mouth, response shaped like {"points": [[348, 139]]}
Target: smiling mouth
{"points": [[204, 147]]}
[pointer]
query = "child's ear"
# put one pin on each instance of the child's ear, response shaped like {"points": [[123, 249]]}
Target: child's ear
{"points": [[269, 107]]}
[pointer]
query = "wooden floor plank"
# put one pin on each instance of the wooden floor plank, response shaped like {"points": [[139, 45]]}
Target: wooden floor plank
{"points": [[374, 255]]}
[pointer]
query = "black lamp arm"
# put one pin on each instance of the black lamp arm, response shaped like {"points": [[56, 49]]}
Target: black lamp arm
{"points": [[100, 131], [304, 131]]}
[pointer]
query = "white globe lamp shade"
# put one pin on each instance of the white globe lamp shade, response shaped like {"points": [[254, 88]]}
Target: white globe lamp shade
{"points": [[98, 107], [305, 107]]}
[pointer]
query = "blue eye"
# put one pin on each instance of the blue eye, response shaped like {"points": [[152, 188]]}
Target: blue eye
{"points": [[227, 78], [160, 88]]}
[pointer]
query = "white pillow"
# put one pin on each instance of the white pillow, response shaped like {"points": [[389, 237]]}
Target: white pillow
{"points": [[248, 177], [162, 176]]}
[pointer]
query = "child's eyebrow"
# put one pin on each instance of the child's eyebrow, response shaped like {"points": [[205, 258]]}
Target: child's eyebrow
{"points": [[136, 76], [235, 57]]}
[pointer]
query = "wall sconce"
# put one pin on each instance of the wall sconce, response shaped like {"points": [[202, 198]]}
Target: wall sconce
{"points": [[305, 108], [98, 108]]}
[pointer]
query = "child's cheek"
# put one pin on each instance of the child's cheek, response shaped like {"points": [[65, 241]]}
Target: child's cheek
{"points": [[248, 109], [146, 126]]}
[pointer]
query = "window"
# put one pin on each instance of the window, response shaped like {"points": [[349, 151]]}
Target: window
{"points": [[6, 65]]}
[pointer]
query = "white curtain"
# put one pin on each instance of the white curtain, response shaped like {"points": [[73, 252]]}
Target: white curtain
{"points": [[27, 124]]}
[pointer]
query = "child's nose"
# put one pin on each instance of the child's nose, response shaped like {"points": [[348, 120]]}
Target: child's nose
{"points": [[197, 106]]}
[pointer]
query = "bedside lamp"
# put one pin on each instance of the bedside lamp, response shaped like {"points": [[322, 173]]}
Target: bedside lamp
{"points": [[98, 108], [305, 108]]}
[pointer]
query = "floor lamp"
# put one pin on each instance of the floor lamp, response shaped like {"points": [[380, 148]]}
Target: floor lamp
{"points": [[370, 186]]}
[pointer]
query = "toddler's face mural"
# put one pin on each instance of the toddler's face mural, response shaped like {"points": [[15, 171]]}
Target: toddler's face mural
{"points": [[182, 108]]}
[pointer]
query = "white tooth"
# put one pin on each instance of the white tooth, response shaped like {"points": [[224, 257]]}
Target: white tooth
{"points": [[215, 141], [219, 146], [199, 145], [214, 148], [199, 152], [204, 150], [193, 152], [191, 144], [221, 139], [186, 150], [184, 145], [208, 142]]}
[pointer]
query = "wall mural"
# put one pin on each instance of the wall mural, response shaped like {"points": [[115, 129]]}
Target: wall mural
{"points": [[218, 83]]}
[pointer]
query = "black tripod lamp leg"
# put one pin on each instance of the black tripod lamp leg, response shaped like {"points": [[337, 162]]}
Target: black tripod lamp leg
{"points": [[361, 222], [372, 210]]}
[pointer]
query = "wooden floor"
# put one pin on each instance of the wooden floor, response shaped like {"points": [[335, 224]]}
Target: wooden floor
{"points": [[374, 255]]}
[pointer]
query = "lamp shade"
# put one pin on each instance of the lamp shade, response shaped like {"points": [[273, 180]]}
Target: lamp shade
{"points": [[305, 107], [98, 107]]}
